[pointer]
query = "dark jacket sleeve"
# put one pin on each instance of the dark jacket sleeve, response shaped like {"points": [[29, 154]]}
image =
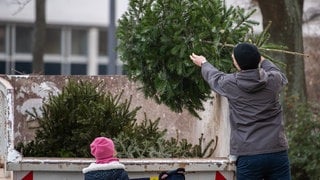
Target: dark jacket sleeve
{"points": [[268, 66], [214, 77]]}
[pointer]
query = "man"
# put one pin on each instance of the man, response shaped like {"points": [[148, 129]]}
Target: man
{"points": [[257, 132]]}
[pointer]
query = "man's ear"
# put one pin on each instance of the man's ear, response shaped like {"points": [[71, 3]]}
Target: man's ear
{"points": [[235, 63]]}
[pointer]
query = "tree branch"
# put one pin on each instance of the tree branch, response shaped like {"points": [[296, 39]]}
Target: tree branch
{"points": [[21, 5], [265, 49]]}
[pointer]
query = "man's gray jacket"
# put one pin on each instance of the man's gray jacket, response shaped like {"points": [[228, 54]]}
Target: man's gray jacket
{"points": [[255, 112]]}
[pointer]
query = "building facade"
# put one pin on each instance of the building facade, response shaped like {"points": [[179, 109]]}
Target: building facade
{"points": [[77, 34]]}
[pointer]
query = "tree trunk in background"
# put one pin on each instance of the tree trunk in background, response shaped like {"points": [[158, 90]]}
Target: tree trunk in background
{"points": [[39, 38], [286, 29]]}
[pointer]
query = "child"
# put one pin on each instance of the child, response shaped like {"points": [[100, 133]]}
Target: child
{"points": [[107, 166]]}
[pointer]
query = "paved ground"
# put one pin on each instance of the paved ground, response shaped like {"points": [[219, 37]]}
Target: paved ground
{"points": [[2, 176]]}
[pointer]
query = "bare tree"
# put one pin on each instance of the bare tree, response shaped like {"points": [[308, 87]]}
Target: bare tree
{"points": [[286, 29], [21, 4], [39, 37]]}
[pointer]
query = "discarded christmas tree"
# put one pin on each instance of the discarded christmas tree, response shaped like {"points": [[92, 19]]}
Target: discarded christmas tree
{"points": [[157, 37]]}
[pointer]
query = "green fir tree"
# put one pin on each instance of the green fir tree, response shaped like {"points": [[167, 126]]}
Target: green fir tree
{"points": [[157, 37]]}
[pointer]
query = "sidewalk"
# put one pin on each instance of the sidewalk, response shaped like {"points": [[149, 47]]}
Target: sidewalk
{"points": [[2, 177]]}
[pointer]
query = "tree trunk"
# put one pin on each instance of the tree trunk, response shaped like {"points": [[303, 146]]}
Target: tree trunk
{"points": [[39, 38], [286, 29]]}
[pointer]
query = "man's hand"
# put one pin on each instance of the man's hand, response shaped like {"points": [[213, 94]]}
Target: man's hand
{"points": [[198, 60]]}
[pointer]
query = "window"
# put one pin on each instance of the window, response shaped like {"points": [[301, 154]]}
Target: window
{"points": [[2, 38], [2, 67], [79, 42], [103, 42], [23, 39], [78, 69], [102, 69], [53, 41], [66, 49], [22, 67], [2, 48], [52, 68]]}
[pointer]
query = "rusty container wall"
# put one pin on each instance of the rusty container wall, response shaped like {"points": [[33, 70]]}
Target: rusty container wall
{"points": [[6, 121], [30, 91]]}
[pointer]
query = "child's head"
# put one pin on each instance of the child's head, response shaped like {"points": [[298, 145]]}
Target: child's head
{"points": [[103, 150]]}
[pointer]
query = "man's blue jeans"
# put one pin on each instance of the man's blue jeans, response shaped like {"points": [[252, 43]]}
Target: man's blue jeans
{"points": [[271, 166]]}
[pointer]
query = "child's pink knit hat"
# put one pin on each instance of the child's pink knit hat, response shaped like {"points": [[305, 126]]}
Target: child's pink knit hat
{"points": [[102, 149]]}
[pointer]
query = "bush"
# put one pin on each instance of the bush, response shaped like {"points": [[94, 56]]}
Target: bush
{"points": [[82, 111], [304, 142]]}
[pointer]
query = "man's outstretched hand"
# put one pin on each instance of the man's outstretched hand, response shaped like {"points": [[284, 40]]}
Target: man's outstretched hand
{"points": [[198, 60]]}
